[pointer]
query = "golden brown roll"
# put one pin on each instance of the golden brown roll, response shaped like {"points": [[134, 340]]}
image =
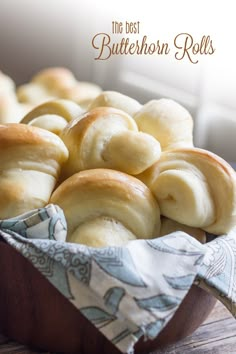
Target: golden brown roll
{"points": [[194, 187], [108, 138], [54, 78], [106, 207], [53, 115], [30, 163], [169, 122], [54, 83], [168, 226], [116, 100], [82, 93], [44, 85]]}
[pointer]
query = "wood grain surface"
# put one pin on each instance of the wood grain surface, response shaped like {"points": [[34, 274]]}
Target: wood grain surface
{"points": [[217, 335]]}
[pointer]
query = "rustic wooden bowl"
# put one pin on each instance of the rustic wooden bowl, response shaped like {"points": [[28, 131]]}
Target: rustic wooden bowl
{"points": [[33, 312]]}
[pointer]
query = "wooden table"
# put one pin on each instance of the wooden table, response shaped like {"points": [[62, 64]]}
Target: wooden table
{"points": [[217, 335]]}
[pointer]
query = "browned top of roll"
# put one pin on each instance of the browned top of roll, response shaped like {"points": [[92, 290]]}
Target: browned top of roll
{"points": [[100, 178], [13, 135], [55, 76]]}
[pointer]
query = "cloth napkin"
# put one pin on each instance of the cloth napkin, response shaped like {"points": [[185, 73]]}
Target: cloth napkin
{"points": [[130, 291]]}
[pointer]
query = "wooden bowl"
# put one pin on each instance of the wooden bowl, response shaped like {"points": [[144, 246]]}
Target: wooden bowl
{"points": [[33, 312]]}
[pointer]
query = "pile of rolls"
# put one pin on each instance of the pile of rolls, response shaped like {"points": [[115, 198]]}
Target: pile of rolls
{"points": [[119, 170]]}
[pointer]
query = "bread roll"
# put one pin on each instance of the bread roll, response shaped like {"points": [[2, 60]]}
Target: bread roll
{"points": [[82, 93], [44, 85], [63, 84], [54, 83], [116, 100], [7, 85], [168, 226], [194, 187], [30, 163], [166, 120], [53, 115], [108, 138], [54, 78], [11, 111], [106, 208]]}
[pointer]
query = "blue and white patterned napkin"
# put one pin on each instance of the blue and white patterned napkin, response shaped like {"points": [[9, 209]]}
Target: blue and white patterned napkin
{"points": [[130, 291], [217, 273]]}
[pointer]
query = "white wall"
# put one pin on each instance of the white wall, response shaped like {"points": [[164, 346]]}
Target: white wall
{"points": [[41, 33]]}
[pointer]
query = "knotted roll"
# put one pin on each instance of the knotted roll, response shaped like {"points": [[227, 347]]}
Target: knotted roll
{"points": [[169, 122], [106, 208], [108, 138], [54, 83], [53, 115], [168, 226], [116, 100], [30, 163], [195, 187]]}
